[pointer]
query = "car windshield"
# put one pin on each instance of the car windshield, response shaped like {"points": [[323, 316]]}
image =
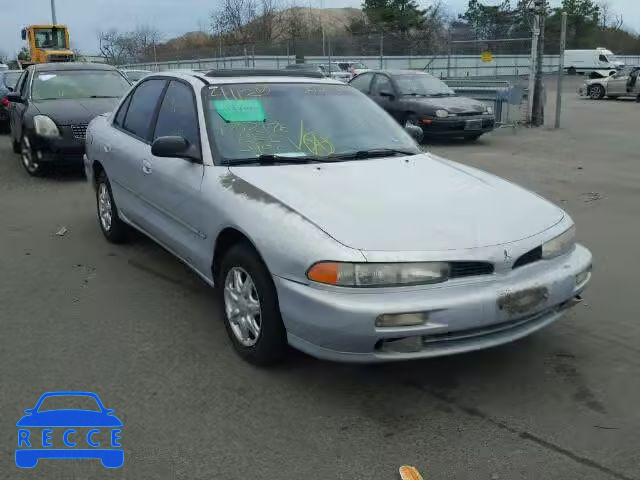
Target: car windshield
{"points": [[11, 78], [422, 85], [66, 402], [64, 84], [298, 122], [50, 38]]}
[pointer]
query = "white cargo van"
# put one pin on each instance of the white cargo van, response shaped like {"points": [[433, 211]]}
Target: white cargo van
{"points": [[599, 62]]}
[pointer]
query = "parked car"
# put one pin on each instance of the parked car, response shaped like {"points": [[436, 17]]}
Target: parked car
{"points": [[8, 79], [417, 98], [135, 75], [326, 71], [597, 63], [621, 84], [323, 224], [354, 68], [52, 106]]}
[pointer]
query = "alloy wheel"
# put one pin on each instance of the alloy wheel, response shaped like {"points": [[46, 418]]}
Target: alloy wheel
{"points": [[242, 306], [27, 156], [105, 209]]}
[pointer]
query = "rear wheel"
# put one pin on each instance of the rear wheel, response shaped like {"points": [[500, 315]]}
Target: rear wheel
{"points": [[113, 229], [572, 71], [250, 306]]}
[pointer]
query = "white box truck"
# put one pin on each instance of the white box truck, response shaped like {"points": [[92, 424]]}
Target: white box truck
{"points": [[598, 63]]}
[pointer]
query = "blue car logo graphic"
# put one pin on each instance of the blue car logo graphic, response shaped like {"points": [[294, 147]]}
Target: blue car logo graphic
{"points": [[40, 428]]}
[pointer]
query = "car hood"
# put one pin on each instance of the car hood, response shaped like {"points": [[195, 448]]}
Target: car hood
{"points": [[451, 104], [74, 111], [69, 418], [417, 203]]}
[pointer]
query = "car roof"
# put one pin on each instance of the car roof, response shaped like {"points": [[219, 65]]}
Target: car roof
{"points": [[219, 77], [59, 66]]}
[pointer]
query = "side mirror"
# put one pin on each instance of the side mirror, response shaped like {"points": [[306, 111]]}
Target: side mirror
{"points": [[109, 411], [23, 34], [175, 147], [415, 132], [387, 94], [29, 410], [14, 97]]}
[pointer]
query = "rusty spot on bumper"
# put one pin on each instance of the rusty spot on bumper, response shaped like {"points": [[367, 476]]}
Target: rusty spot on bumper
{"points": [[522, 301]]}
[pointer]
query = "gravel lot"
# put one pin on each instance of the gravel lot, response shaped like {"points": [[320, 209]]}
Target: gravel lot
{"points": [[135, 326]]}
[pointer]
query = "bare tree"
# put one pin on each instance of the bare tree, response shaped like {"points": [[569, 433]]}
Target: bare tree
{"points": [[236, 19], [125, 47], [608, 17], [112, 47]]}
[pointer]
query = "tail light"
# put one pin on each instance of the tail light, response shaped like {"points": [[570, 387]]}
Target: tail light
{"points": [[4, 102]]}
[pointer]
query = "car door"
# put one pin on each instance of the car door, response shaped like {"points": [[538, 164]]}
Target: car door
{"points": [[127, 146], [383, 92], [617, 85], [16, 110], [363, 83], [172, 185]]}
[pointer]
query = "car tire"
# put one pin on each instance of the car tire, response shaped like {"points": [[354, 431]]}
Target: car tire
{"points": [[572, 71], [596, 92], [28, 159], [249, 304], [473, 138], [113, 229], [15, 145]]}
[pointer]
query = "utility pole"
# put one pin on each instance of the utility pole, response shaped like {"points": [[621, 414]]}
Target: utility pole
{"points": [[563, 45], [53, 12], [537, 119], [533, 63]]}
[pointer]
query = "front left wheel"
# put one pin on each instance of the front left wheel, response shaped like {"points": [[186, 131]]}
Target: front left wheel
{"points": [[596, 92], [250, 307]]}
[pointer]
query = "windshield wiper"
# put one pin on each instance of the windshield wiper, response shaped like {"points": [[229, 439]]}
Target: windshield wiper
{"points": [[102, 96], [371, 153], [415, 94], [270, 159], [442, 94]]}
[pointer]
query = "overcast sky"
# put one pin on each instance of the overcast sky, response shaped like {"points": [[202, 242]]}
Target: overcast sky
{"points": [[172, 17]]}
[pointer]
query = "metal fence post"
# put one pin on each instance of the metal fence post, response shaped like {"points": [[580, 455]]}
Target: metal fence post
{"points": [[381, 51], [563, 44]]}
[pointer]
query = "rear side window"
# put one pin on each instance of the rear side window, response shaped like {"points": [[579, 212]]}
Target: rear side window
{"points": [[178, 114], [119, 120], [142, 107], [381, 84], [362, 82]]}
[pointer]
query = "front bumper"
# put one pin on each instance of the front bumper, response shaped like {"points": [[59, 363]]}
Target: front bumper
{"points": [[459, 126], [464, 314], [65, 149]]}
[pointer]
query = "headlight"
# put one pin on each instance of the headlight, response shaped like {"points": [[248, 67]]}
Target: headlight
{"points": [[378, 274], [45, 127], [442, 113], [560, 245], [489, 110]]}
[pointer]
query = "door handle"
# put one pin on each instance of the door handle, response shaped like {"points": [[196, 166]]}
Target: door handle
{"points": [[146, 167], [107, 148]]}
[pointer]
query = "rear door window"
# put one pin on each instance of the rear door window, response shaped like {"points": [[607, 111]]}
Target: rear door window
{"points": [[142, 108]]}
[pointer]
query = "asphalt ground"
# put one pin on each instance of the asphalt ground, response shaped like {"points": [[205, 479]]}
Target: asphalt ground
{"points": [[135, 326]]}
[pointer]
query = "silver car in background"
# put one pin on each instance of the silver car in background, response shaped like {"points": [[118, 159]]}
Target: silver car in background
{"points": [[624, 83], [323, 225]]}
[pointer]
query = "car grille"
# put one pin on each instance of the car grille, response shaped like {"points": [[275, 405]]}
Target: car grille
{"points": [[79, 131], [469, 114], [529, 257], [470, 269]]}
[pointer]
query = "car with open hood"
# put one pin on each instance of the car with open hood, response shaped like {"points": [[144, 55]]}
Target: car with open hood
{"points": [[51, 107], [418, 98], [624, 83], [323, 224]]}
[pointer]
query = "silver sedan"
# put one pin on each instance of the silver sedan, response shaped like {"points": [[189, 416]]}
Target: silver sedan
{"points": [[323, 225]]}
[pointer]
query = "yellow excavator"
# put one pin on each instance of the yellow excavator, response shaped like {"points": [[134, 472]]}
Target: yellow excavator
{"points": [[47, 43]]}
